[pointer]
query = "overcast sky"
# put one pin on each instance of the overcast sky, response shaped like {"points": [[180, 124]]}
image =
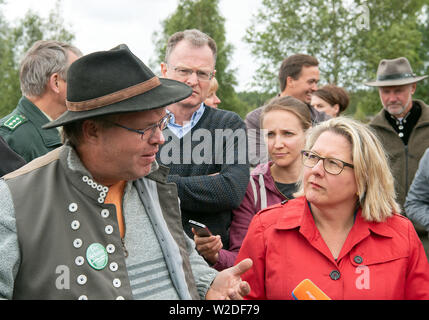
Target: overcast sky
{"points": [[103, 24]]}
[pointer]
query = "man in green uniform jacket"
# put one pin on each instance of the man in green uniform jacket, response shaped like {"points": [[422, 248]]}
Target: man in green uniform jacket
{"points": [[43, 85]]}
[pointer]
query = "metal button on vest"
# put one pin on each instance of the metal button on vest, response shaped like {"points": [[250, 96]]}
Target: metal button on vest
{"points": [[105, 213], [72, 207], [400, 134], [75, 224], [358, 259], [110, 248], [108, 229], [85, 179], [120, 298], [113, 266], [77, 243], [116, 283], [335, 275], [83, 297], [79, 260], [82, 279]]}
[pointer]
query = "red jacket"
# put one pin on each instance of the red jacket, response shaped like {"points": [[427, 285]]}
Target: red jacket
{"points": [[378, 260]]}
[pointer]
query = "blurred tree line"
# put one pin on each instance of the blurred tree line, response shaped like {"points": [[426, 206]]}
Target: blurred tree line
{"points": [[349, 37], [15, 40]]}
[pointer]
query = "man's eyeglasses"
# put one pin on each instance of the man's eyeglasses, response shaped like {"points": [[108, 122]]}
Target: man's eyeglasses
{"points": [[186, 73], [331, 165], [149, 131]]}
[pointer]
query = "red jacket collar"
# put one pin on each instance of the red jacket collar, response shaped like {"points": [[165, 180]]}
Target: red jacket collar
{"points": [[296, 213]]}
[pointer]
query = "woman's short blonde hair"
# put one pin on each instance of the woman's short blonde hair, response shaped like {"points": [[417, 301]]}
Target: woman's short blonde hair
{"points": [[374, 180]]}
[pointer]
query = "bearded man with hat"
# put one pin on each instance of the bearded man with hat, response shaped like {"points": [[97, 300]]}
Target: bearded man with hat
{"points": [[96, 218], [402, 125]]}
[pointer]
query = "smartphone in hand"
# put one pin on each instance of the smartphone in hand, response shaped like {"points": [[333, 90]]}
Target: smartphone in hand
{"points": [[200, 229]]}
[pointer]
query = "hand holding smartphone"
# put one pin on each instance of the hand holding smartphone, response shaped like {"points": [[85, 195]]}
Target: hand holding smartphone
{"points": [[200, 229]]}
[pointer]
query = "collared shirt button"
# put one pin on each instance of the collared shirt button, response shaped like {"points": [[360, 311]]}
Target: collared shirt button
{"points": [[110, 248], [75, 224], [77, 243], [116, 283], [335, 275], [105, 213], [113, 266], [79, 260], [358, 259], [108, 229], [73, 207], [82, 279]]}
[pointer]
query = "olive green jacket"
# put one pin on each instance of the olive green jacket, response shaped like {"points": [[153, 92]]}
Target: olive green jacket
{"points": [[22, 130], [404, 160]]}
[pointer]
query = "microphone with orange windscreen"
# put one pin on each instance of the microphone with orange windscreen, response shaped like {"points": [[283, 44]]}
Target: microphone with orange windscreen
{"points": [[307, 290]]}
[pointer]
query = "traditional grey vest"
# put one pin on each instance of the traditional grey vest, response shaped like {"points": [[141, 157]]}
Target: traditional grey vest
{"points": [[63, 224]]}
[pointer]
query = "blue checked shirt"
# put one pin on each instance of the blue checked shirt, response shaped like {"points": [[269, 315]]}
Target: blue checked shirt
{"points": [[179, 130]]}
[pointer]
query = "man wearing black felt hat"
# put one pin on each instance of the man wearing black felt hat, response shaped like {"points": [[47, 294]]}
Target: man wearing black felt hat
{"points": [[402, 125], [96, 218]]}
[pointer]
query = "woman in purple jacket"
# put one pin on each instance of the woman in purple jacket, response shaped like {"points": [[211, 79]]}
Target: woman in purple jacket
{"points": [[285, 121]]}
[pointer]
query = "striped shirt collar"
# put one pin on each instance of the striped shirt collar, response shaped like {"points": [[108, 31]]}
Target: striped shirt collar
{"points": [[181, 131]]}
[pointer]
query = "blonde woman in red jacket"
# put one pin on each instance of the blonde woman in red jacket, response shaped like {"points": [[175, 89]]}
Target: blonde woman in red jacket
{"points": [[344, 233]]}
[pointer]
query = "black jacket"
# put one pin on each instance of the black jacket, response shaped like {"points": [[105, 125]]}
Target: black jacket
{"points": [[9, 160]]}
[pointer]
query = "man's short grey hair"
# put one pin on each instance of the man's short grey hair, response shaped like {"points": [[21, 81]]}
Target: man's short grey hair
{"points": [[193, 36], [43, 59]]}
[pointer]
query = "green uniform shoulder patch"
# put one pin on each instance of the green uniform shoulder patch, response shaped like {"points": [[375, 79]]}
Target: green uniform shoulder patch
{"points": [[14, 121]]}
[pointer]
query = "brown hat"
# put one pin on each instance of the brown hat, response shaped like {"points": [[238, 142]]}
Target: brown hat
{"points": [[395, 72]]}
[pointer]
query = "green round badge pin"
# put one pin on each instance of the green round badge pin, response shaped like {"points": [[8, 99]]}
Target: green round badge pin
{"points": [[97, 256]]}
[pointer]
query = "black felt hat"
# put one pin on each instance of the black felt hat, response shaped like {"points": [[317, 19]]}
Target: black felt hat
{"points": [[115, 81]]}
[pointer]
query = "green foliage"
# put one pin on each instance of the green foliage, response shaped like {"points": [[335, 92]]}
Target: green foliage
{"points": [[316, 27], [254, 99], [203, 15], [349, 52], [16, 40]]}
